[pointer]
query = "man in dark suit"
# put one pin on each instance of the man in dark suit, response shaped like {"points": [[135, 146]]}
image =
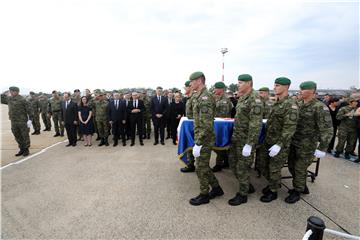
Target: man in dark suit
{"points": [[69, 115], [117, 119], [136, 109], [159, 109], [127, 99]]}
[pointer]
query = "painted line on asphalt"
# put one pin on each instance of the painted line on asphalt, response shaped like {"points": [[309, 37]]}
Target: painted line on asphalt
{"points": [[33, 155]]}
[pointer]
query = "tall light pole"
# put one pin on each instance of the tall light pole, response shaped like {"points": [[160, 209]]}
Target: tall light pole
{"points": [[223, 51]]}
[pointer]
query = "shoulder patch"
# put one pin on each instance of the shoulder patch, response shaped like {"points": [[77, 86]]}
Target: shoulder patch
{"points": [[257, 100], [294, 106], [204, 98]]}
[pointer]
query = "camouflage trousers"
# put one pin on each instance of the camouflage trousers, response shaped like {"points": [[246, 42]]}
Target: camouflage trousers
{"points": [[21, 134], [46, 120], [271, 167], [221, 156], [241, 166], [56, 116], [103, 128], [298, 162], [348, 137], [147, 124], [190, 158], [205, 175], [36, 122]]}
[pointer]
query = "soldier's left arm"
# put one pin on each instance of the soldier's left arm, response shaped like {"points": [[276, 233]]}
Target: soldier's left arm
{"points": [[324, 123], [289, 124], [206, 120], [29, 110], [255, 122]]}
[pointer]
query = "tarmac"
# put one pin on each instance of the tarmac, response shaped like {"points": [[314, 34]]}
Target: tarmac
{"points": [[138, 192]]}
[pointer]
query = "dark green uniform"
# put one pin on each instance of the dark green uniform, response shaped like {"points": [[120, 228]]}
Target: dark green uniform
{"points": [[347, 131], [44, 106], [280, 128], [190, 115], [101, 118], [247, 126], [147, 117], [204, 111], [55, 111], [20, 112], [35, 105], [314, 125]]}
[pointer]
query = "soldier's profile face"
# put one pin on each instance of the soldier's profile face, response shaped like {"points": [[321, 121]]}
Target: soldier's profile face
{"points": [[306, 93], [279, 89], [218, 91], [243, 86]]}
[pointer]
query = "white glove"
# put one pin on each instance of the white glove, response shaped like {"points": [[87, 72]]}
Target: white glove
{"points": [[246, 150], [29, 123], [196, 150], [274, 150], [319, 154]]}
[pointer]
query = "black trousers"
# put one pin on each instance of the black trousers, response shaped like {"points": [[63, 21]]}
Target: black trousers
{"points": [[118, 129], [174, 125], [71, 132], [136, 122], [332, 142], [168, 127], [159, 126]]}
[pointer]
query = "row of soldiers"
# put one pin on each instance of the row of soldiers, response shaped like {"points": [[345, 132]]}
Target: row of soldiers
{"points": [[295, 132]]}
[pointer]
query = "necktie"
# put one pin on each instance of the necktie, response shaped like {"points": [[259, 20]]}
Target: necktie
{"points": [[117, 104], [66, 104], [159, 98]]}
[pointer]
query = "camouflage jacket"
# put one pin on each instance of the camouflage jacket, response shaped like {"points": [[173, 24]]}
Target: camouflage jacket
{"points": [[101, 110], [203, 110], [44, 105], [189, 107], [248, 119], [314, 124], [147, 106], [223, 107], [282, 121], [20, 110], [348, 123], [35, 105], [55, 105], [267, 108]]}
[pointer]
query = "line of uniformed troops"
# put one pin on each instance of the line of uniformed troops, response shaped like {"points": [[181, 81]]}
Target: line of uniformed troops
{"points": [[296, 132]]}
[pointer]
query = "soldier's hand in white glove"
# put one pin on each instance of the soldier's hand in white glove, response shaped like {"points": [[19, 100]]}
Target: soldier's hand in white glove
{"points": [[196, 150], [246, 150], [274, 150], [319, 154], [29, 123]]}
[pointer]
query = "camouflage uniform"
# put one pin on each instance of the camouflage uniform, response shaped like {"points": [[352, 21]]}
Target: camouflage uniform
{"points": [[267, 107], [20, 112], [101, 118], [190, 115], [147, 117], [44, 105], [280, 128], [203, 110], [55, 111], [35, 105], [247, 126], [222, 110], [314, 124], [347, 131]]}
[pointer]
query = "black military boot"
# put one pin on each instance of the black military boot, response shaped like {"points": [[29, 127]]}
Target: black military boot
{"points": [[201, 199], [216, 192], [188, 168], [37, 132], [293, 197], [347, 156], [237, 200], [20, 153], [102, 142], [306, 190], [269, 196], [267, 189], [106, 143], [26, 152], [251, 189], [57, 134], [337, 154], [357, 160], [216, 168], [33, 133]]}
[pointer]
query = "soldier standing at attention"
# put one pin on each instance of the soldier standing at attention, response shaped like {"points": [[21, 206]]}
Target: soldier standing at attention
{"points": [[222, 110], [20, 115], [101, 118], [280, 128], [44, 106], [55, 112], [247, 126], [189, 114], [35, 105], [204, 137], [147, 116], [264, 97], [314, 125]]}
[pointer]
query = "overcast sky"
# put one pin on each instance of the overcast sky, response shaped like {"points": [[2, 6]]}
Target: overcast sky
{"points": [[63, 45]]}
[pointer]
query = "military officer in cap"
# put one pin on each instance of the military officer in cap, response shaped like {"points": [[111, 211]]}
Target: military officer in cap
{"points": [[20, 115], [35, 105], [101, 118], [314, 125], [55, 112], [280, 128], [44, 106], [204, 137], [222, 110], [247, 126], [188, 100]]}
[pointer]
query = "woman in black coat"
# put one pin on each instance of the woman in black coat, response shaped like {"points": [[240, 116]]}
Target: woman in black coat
{"points": [[177, 110]]}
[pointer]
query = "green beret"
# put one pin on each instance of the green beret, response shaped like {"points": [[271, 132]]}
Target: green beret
{"points": [[196, 75], [14, 89], [219, 85], [245, 77], [187, 83], [309, 85], [283, 81], [264, 89]]}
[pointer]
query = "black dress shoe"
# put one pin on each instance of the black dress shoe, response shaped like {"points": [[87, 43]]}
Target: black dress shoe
{"points": [[269, 196], [20, 153], [216, 168], [26, 152], [189, 168], [57, 134], [251, 189], [329, 151], [33, 133], [68, 145], [141, 143], [115, 144], [174, 142], [162, 143], [216, 192], [124, 144], [293, 197], [201, 199], [237, 200], [74, 144], [37, 133], [156, 143], [132, 144], [148, 136]]}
